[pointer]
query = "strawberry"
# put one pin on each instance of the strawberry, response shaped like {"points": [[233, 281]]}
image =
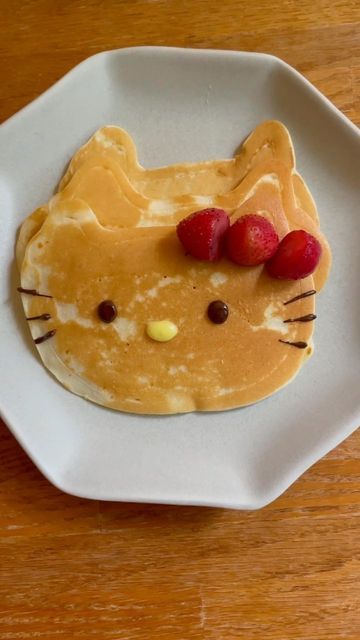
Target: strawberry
{"points": [[202, 233], [251, 240], [297, 256]]}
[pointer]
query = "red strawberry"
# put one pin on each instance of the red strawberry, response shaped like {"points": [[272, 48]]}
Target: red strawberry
{"points": [[297, 256], [202, 233], [251, 240]]}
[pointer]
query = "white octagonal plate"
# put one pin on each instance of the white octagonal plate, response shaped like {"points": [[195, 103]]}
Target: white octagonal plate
{"points": [[183, 105]]}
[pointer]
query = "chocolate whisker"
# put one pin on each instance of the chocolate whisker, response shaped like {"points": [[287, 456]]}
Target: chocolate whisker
{"points": [[299, 345], [43, 316], [47, 335], [308, 318], [33, 292], [311, 292]]}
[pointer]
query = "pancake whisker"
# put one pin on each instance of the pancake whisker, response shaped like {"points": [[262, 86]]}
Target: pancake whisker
{"points": [[308, 318], [33, 292], [43, 316], [306, 294], [299, 345], [45, 337]]}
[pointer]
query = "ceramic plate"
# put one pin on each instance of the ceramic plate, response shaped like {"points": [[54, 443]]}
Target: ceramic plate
{"points": [[184, 105]]}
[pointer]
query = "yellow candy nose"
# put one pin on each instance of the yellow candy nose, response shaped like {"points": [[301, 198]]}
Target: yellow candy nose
{"points": [[161, 330]]}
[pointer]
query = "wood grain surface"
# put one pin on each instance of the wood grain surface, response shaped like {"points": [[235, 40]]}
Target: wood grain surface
{"points": [[72, 568]]}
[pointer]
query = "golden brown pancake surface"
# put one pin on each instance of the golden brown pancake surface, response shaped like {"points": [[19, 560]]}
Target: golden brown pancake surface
{"points": [[147, 275], [110, 234]]}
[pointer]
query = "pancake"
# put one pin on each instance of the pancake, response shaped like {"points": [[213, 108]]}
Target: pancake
{"points": [[144, 270], [109, 233], [31, 225], [304, 199], [111, 153]]}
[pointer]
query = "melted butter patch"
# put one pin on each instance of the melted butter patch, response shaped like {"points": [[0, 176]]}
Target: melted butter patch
{"points": [[105, 141], [269, 178], [204, 201], [217, 279], [161, 207], [225, 391], [176, 401], [138, 298], [272, 322], [180, 369], [64, 213], [146, 222], [75, 365], [68, 312], [125, 328], [164, 282]]}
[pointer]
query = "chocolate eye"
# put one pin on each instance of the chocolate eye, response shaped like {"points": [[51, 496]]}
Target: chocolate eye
{"points": [[107, 311], [218, 311]]}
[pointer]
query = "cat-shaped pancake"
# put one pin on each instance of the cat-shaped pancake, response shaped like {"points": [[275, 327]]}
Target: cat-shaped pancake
{"points": [[79, 263], [110, 233]]}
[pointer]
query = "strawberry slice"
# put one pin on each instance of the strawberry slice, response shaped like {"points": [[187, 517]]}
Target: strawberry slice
{"points": [[297, 256], [202, 233], [251, 240]]}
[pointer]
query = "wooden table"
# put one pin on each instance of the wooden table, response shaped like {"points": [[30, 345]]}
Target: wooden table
{"points": [[72, 568]]}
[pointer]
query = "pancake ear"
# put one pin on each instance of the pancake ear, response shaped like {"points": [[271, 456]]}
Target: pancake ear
{"points": [[273, 140], [109, 142], [114, 144]]}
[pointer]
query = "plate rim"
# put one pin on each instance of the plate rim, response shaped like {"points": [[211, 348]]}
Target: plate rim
{"points": [[187, 51], [264, 497]]}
